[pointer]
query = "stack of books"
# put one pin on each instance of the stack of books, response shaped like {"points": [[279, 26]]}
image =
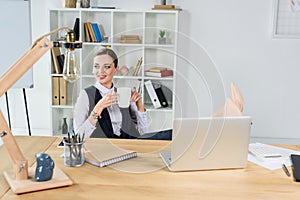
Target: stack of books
{"points": [[159, 72], [133, 39], [165, 7], [94, 32]]}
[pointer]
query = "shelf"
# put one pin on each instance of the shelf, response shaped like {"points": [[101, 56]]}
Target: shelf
{"points": [[116, 22], [152, 109], [128, 44], [170, 78], [58, 75], [160, 45], [96, 43], [62, 107]]}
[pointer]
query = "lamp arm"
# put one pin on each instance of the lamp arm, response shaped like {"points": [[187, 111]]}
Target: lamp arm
{"points": [[6, 81], [14, 73], [50, 33], [20, 163]]}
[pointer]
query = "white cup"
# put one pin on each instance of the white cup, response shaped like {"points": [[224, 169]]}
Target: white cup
{"points": [[124, 94]]}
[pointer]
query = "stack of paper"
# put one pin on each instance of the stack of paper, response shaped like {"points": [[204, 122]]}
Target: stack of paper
{"points": [[273, 162]]}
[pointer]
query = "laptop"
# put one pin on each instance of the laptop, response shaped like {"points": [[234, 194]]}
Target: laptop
{"points": [[208, 143]]}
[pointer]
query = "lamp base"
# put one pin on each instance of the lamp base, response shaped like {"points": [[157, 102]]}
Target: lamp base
{"points": [[59, 179]]}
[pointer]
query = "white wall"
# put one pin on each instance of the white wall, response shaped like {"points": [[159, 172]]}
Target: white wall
{"points": [[237, 35]]}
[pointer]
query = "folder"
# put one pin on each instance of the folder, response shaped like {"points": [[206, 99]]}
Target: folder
{"points": [[161, 97], [62, 91], [152, 94], [55, 90]]}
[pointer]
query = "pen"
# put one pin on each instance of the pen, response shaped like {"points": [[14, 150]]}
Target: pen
{"points": [[285, 169]]}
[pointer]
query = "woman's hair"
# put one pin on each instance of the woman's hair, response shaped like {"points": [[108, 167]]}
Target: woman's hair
{"points": [[110, 52]]}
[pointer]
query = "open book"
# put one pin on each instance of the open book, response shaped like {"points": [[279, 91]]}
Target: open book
{"points": [[102, 152]]}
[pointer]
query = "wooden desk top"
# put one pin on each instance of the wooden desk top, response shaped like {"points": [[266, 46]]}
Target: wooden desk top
{"points": [[146, 177]]}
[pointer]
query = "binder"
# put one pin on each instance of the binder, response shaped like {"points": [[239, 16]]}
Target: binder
{"points": [[152, 94], [161, 97], [62, 91], [55, 90], [102, 153]]}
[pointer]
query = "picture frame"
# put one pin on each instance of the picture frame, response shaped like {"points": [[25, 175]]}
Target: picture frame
{"points": [[286, 19]]}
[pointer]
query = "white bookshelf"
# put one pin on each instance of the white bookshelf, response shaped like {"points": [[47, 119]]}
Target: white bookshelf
{"points": [[115, 23]]}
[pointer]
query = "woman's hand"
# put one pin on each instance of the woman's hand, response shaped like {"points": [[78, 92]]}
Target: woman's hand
{"points": [[136, 97], [106, 101]]}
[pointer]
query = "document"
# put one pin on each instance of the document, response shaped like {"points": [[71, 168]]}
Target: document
{"points": [[272, 163]]}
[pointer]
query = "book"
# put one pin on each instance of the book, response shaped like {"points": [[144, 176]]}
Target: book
{"points": [[164, 6], [86, 33], [62, 91], [55, 51], [103, 34], [152, 94], [97, 32], [102, 153], [157, 69], [91, 31], [159, 74], [61, 60], [76, 29], [55, 90], [161, 97], [134, 39], [137, 67]]}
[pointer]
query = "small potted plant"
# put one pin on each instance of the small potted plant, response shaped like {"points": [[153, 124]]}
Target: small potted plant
{"points": [[162, 37]]}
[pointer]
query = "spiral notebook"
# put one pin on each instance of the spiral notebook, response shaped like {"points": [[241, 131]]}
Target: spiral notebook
{"points": [[102, 152]]}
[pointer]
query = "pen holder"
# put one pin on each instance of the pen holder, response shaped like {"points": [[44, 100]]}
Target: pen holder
{"points": [[73, 154]]}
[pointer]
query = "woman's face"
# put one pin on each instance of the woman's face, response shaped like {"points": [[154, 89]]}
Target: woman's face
{"points": [[104, 70]]}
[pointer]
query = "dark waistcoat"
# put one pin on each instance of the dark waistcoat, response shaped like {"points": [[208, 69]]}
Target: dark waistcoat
{"points": [[104, 126]]}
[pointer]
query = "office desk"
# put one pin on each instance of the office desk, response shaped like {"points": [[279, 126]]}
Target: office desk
{"points": [[151, 179]]}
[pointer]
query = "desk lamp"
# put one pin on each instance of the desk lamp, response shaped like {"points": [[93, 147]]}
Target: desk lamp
{"points": [[19, 178]]}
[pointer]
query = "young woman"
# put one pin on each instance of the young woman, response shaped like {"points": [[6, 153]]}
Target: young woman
{"points": [[96, 111]]}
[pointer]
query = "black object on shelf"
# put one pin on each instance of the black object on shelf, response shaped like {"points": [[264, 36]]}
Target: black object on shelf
{"points": [[161, 97]]}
